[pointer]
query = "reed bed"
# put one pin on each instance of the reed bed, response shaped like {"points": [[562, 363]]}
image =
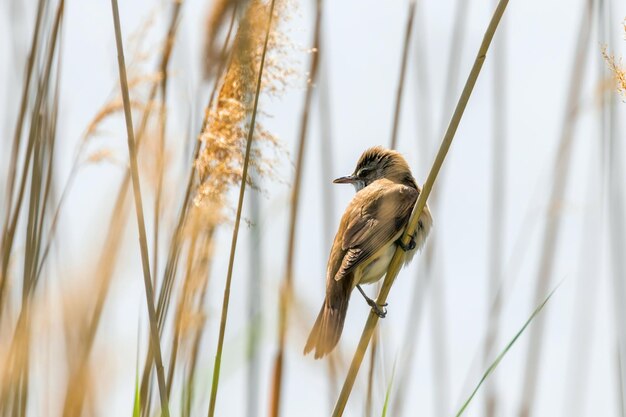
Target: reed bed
{"points": [[196, 306]]}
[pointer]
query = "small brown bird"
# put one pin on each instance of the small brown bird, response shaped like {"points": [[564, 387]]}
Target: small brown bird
{"points": [[369, 231]]}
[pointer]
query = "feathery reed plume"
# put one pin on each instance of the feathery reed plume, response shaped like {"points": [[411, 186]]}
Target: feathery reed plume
{"points": [[224, 138], [394, 265], [617, 69]]}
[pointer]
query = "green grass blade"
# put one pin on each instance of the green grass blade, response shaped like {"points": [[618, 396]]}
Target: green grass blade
{"points": [[137, 401], [388, 393], [496, 362]]}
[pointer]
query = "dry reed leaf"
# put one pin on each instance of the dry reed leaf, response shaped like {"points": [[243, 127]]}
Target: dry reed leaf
{"points": [[103, 155]]}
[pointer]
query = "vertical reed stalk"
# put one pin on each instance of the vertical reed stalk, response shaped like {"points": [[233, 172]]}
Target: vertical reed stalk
{"points": [[393, 142], [163, 70], [326, 166], [134, 169], [286, 290], [496, 236], [12, 216], [403, 64], [254, 308], [370, 376], [433, 251], [553, 224], [424, 116], [17, 135], [394, 265], [326, 147], [585, 310], [176, 241], [39, 145], [616, 210], [233, 246]]}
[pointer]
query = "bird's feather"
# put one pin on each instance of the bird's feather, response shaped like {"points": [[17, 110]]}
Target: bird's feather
{"points": [[378, 212]]}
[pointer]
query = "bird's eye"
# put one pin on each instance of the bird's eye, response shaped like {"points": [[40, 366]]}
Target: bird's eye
{"points": [[363, 172]]}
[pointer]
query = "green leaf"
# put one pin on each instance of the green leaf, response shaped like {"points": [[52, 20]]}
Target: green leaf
{"points": [[496, 362], [388, 393]]}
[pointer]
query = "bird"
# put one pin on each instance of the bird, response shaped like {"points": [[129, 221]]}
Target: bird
{"points": [[369, 232]]}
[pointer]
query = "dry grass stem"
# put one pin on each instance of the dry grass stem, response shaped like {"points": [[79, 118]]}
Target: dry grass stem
{"points": [[496, 236], [403, 64], [552, 226], [286, 290], [241, 62], [154, 333]]}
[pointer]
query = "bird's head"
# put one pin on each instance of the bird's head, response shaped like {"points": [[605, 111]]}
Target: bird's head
{"points": [[376, 163]]}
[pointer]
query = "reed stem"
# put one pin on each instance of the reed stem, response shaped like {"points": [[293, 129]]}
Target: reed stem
{"points": [[233, 246], [143, 243]]}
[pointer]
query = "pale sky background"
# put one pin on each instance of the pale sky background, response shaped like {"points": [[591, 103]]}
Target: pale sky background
{"points": [[363, 42]]}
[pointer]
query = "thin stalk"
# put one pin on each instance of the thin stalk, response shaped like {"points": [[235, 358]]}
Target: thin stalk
{"points": [[163, 70], [175, 243], [134, 169], [433, 252], [591, 249], [182, 305], [615, 203], [326, 146], [393, 142], [553, 222], [287, 287], [17, 135], [104, 271], [403, 65], [327, 198], [233, 245], [255, 292], [9, 229], [501, 355], [422, 281], [498, 179], [195, 347], [370, 376], [394, 265], [39, 137]]}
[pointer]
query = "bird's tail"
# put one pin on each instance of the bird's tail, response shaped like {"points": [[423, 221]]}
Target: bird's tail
{"points": [[327, 328]]}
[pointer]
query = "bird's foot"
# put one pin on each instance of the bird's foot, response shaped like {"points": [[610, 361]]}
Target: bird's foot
{"points": [[411, 245], [379, 310]]}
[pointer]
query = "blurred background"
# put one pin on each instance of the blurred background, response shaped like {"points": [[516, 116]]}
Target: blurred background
{"points": [[531, 196]]}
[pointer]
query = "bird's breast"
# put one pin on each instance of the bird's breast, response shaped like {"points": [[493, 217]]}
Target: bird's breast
{"points": [[379, 264]]}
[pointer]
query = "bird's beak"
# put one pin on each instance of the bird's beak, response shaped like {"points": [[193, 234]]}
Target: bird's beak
{"points": [[350, 179]]}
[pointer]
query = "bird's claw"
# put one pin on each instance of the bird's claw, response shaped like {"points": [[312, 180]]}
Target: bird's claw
{"points": [[379, 310], [410, 246]]}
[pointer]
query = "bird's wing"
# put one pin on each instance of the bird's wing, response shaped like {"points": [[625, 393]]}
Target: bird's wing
{"points": [[382, 212]]}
